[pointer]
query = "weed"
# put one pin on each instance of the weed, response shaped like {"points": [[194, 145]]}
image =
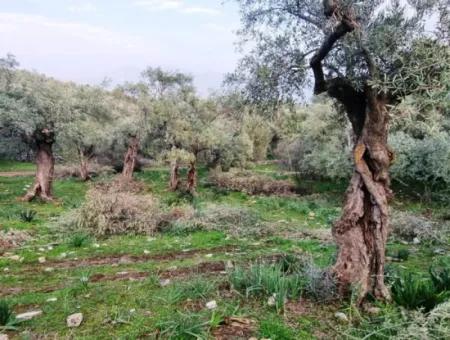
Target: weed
{"points": [[198, 288], [27, 215], [7, 318], [79, 240], [181, 326], [440, 278], [276, 330], [403, 254], [414, 292]]}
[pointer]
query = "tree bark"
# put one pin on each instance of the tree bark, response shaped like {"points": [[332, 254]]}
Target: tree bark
{"points": [[129, 162], [45, 167], [362, 231], [85, 155], [174, 180], [192, 177]]}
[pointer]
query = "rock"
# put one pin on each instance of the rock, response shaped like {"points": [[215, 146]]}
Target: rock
{"points": [[252, 338], [50, 248], [146, 252], [42, 259], [229, 265], [211, 304], [271, 301], [49, 269], [15, 257], [6, 269], [4, 337], [63, 255], [209, 255], [28, 315], [164, 283], [53, 299], [96, 245], [439, 251], [416, 240], [41, 249], [373, 311], [74, 320], [341, 317], [132, 310]]}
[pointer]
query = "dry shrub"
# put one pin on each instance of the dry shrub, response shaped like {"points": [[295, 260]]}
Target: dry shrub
{"points": [[73, 170], [235, 221], [109, 209], [248, 182], [407, 227], [11, 239]]}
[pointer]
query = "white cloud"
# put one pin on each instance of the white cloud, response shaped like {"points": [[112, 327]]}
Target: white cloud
{"points": [[86, 7], [174, 5]]}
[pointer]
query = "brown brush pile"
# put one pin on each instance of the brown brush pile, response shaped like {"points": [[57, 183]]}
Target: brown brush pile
{"points": [[251, 184]]}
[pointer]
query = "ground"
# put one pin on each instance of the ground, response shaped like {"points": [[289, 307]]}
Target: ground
{"points": [[118, 283]]}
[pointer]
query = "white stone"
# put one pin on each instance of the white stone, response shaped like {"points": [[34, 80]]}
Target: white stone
{"points": [[41, 249], [49, 269], [15, 257], [42, 259], [229, 265], [146, 252], [209, 255], [50, 248], [164, 283], [341, 317], [6, 269], [416, 240], [211, 304], [271, 301], [74, 320], [53, 299], [28, 315]]}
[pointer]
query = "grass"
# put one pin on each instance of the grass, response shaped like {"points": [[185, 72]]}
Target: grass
{"points": [[123, 296]]}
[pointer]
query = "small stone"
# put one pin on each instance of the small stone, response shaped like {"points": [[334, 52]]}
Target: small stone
{"points": [[439, 251], [133, 310], [164, 283], [53, 299], [211, 304], [15, 257], [74, 320], [341, 317], [151, 239], [4, 337], [146, 252], [209, 255], [271, 301], [28, 315], [229, 265], [172, 268], [42, 259], [373, 311], [41, 249], [49, 269], [63, 255], [96, 245], [253, 338], [416, 240], [6, 269], [50, 248]]}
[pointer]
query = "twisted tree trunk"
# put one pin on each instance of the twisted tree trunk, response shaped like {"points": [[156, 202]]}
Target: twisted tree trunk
{"points": [[174, 180], [361, 233], [192, 177], [85, 155], [45, 167], [129, 162]]}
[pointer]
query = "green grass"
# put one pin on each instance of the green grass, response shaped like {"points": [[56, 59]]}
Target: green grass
{"points": [[118, 303]]}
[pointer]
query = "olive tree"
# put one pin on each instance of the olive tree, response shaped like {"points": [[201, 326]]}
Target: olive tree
{"points": [[350, 46], [35, 107]]}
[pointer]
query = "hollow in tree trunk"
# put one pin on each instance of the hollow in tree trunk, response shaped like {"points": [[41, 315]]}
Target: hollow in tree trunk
{"points": [[192, 177], [129, 162], [45, 166], [174, 180]]}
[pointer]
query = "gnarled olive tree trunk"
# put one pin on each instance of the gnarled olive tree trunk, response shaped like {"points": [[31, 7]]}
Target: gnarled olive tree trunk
{"points": [[361, 233], [174, 181], [85, 155], [129, 162], [45, 166], [192, 177]]}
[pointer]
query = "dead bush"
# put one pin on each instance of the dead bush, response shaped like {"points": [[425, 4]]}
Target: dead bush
{"points": [[235, 221], [11, 239], [109, 211], [410, 228], [73, 170], [252, 184]]}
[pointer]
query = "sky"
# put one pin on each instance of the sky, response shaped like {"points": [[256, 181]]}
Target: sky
{"points": [[87, 41]]}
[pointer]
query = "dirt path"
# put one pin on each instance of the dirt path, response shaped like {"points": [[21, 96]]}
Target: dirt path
{"points": [[17, 173]]}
